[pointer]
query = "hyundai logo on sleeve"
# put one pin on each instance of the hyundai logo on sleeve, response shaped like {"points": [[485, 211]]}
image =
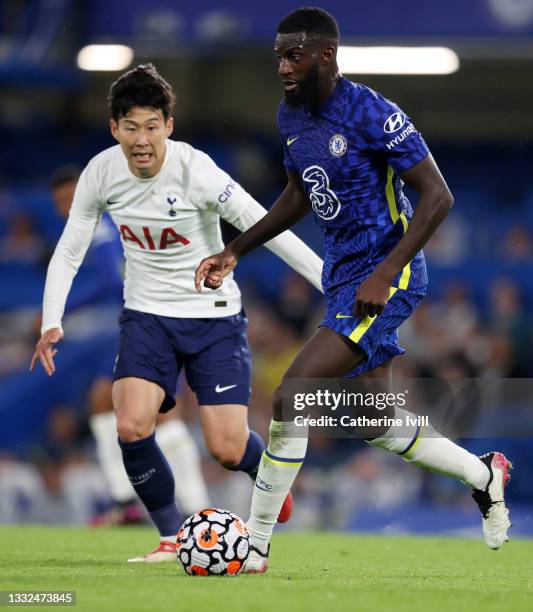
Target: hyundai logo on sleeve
{"points": [[394, 123]]}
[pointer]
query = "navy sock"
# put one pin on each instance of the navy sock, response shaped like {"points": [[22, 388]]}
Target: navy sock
{"points": [[252, 455], [152, 479]]}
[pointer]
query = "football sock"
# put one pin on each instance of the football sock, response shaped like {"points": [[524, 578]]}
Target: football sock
{"points": [[252, 455], [182, 454], [168, 538], [425, 447], [152, 479], [104, 430], [278, 468]]}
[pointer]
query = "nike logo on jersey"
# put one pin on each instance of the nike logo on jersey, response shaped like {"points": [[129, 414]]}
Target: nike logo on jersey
{"points": [[291, 140], [341, 316], [220, 389], [109, 203]]}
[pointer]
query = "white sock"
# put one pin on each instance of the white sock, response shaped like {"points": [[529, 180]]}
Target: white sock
{"points": [[181, 452], [426, 448], [104, 430], [169, 538], [277, 472]]}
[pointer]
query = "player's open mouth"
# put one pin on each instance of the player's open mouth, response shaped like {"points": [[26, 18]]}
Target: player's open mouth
{"points": [[142, 157], [290, 85]]}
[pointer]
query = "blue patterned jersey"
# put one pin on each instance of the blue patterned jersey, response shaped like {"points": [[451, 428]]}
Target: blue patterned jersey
{"points": [[349, 155]]}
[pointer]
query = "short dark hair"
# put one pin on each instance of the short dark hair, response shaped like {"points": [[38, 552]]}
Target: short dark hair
{"points": [[142, 86], [69, 173], [311, 20]]}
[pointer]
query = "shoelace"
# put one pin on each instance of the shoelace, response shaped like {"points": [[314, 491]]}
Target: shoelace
{"points": [[165, 547]]}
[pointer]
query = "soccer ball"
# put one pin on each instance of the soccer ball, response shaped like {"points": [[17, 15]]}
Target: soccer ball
{"points": [[213, 542]]}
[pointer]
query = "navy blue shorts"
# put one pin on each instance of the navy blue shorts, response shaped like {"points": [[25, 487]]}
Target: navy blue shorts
{"points": [[376, 336], [214, 352]]}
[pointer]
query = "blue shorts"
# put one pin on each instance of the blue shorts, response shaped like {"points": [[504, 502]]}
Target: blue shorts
{"points": [[214, 351], [376, 336]]}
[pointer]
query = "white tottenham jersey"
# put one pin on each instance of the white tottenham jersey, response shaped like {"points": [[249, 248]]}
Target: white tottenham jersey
{"points": [[168, 224]]}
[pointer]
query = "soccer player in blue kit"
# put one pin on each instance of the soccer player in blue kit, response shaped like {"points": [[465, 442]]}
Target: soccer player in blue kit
{"points": [[347, 152]]}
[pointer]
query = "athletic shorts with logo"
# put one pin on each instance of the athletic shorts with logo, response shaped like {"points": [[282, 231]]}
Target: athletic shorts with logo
{"points": [[213, 351], [376, 336]]}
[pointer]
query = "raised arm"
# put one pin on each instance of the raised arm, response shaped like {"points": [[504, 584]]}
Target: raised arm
{"points": [[434, 203], [291, 206]]}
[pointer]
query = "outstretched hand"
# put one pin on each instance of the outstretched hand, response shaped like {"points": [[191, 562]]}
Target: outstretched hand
{"points": [[213, 269], [45, 351]]}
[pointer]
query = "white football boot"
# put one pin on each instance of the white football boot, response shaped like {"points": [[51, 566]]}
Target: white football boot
{"points": [[166, 551], [491, 500], [257, 562]]}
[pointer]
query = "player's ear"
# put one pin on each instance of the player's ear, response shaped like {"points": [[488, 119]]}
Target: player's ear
{"points": [[113, 126], [329, 54], [169, 126]]}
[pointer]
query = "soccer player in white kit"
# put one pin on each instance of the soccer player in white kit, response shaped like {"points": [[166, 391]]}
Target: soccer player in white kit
{"points": [[166, 198]]}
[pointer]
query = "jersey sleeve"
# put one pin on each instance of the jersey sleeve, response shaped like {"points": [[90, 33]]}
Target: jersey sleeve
{"points": [[101, 273], [71, 248], [87, 205], [388, 131], [215, 190]]}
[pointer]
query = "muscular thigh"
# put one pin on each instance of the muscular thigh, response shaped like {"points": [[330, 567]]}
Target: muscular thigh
{"points": [[224, 422], [225, 429], [326, 355]]}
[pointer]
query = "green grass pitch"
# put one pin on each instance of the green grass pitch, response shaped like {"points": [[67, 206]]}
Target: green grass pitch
{"points": [[326, 572]]}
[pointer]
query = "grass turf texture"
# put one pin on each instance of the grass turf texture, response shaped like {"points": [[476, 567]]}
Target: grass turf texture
{"points": [[308, 572]]}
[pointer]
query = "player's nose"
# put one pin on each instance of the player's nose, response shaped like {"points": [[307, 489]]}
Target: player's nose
{"points": [[142, 139], [284, 68]]}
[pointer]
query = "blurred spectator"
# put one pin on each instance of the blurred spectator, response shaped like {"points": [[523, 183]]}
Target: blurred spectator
{"points": [[511, 326], [22, 493], [518, 244], [449, 244], [22, 245]]}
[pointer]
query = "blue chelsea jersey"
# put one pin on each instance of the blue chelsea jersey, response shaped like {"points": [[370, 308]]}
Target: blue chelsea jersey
{"points": [[349, 155]]}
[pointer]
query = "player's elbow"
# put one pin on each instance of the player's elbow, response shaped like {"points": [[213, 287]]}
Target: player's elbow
{"points": [[443, 201]]}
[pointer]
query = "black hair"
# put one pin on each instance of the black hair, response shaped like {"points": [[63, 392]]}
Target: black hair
{"points": [[64, 174], [314, 21], [142, 86]]}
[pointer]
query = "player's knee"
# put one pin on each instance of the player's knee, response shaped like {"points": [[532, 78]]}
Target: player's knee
{"points": [[130, 429], [226, 452]]}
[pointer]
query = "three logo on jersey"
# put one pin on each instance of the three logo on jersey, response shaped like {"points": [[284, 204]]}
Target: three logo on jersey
{"points": [[323, 199]]}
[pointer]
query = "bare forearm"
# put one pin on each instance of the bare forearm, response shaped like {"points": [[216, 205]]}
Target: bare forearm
{"points": [[432, 208], [289, 208]]}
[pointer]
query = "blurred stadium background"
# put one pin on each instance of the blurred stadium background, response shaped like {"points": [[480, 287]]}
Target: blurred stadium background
{"points": [[475, 322]]}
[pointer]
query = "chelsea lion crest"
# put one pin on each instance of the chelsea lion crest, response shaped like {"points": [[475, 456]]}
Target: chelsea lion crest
{"points": [[338, 145]]}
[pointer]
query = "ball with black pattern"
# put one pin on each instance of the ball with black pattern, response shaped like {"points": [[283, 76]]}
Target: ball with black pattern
{"points": [[213, 542]]}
